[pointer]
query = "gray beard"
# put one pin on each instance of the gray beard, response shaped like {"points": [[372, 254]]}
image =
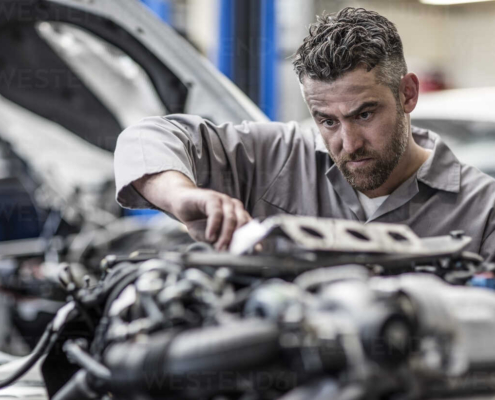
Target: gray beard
{"points": [[383, 164]]}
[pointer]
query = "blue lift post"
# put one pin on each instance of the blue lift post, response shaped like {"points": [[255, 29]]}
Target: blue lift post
{"points": [[161, 8], [268, 59], [247, 51], [226, 48]]}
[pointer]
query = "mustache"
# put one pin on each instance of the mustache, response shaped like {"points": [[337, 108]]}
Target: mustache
{"points": [[357, 155]]}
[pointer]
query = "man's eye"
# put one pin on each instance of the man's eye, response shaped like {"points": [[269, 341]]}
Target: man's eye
{"points": [[365, 115], [329, 123]]}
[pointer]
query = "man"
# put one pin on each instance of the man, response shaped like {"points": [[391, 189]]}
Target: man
{"points": [[367, 163]]}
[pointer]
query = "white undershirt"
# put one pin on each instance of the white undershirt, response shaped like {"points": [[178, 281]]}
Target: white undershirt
{"points": [[370, 205]]}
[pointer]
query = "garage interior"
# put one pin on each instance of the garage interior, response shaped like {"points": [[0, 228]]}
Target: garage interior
{"points": [[101, 301]]}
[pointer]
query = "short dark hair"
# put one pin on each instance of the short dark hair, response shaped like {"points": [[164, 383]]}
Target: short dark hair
{"points": [[338, 43]]}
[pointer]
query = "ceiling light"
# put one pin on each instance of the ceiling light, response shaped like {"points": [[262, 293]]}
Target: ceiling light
{"points": [[450, 2]]}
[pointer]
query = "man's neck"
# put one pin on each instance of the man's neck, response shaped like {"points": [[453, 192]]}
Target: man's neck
{"points": [[412, 159]]}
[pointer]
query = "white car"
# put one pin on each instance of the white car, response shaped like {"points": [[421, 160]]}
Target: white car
{"points": [[465, 119], [74, 75]]}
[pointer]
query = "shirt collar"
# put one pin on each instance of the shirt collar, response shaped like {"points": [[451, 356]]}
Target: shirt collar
{"points": [[442, 170]]}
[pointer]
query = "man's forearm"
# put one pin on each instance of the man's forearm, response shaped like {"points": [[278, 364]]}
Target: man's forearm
{"points": [[159, 189], [209, 216]]}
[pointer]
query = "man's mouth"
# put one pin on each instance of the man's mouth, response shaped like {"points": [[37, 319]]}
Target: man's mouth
{"points": [[359, 163]]}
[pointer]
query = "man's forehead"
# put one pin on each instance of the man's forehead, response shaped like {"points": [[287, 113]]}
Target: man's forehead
{"points": [[352, 88], [349, 96], [354, 82], [322, 92]]}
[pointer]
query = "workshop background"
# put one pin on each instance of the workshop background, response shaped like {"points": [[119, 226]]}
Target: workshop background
{"points": [[66, 79], [448, 43], [74, 74]]}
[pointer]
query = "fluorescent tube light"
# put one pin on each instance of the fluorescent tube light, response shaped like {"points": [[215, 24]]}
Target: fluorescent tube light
{"points": [[450, 2]]}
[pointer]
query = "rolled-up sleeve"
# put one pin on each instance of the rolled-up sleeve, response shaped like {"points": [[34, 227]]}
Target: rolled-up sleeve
{"points": [[238, 160]]}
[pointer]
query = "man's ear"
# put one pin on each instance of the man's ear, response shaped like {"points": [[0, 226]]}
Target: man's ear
{"points": [[409, 92]]}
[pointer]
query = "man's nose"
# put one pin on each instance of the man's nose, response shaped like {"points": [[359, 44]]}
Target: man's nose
{"points": [[351, 139]]}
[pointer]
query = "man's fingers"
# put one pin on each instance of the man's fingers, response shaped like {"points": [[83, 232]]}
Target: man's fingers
{"points": [[214, 213], [242, 215], [228, 225], [224, 216]]}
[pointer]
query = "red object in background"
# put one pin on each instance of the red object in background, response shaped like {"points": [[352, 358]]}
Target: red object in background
{"points": [[432, 82]]}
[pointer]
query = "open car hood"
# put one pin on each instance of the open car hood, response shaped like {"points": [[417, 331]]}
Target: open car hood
{"points": [[77, 72]]}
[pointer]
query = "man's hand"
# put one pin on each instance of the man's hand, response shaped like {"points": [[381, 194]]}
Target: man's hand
{"points": [[208, 215]]}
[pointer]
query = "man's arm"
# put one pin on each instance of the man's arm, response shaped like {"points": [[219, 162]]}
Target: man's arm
{"points": [[220, 171], [209, 216]]}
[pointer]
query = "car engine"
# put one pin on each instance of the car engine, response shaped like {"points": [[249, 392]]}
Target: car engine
{"points": [[299, 308]]}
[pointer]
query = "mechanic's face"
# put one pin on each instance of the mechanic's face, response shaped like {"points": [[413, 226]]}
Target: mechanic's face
{"points": [[364, 129]]}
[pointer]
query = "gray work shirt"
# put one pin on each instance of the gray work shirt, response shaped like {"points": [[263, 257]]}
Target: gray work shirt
{"points": [[278, 168]]}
